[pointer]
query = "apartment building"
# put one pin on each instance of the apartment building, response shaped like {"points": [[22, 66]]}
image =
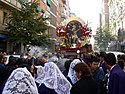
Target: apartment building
{"points": [[117, 21], [56, 10], [104, 13], [5, 8]]}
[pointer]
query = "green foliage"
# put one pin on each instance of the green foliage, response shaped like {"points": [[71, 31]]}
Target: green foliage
{"points": [[27, 26], [103, 37]]}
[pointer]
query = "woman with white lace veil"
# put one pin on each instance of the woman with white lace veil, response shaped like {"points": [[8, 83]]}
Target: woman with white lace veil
{"points": [[39, 75], [71, 73], [53, 79], [20, 82]]}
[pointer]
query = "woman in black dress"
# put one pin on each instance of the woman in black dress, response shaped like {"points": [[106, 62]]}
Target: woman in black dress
{"points": [[86, 84]]}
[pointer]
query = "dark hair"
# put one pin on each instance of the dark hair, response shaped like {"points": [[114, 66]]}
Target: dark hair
{"points": [[24, 63], [94, 59], [87, 61], [12, 60], [102, 54], [67, 64], [110, 59], [21, 62], [121, 63], [84, 68], [45, 54], [97, 54], [118, 56], [1, 57], [122, 57]]}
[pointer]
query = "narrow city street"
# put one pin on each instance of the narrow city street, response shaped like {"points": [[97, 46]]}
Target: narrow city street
{"points": [[62, 47]]}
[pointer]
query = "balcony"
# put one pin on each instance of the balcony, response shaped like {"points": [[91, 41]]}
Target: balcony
{"points": [[10, 4]]}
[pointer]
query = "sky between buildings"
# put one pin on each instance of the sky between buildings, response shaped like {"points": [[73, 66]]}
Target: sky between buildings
{"points": [[87, 10]]}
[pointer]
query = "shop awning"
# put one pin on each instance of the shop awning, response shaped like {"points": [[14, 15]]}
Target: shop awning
{"points": [[3, 36]]}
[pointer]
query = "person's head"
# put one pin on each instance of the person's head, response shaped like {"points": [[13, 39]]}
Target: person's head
{"points": [[118, 57], [82, 70], [97, 54], [11, 60], [21, 62], [89, 47], [24, 82], [54, 79], [1, 57], [121, 60], [71, 73], [42, 61], [4, 60], [22, 55], [67, 64], [121, 63], [110, 60], [87, 61], [46, 56], [24, 63], [94, 63], [121, 57], [102, 55]]}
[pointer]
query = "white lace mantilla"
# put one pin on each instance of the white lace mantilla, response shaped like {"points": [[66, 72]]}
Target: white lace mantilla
{"points": [[53, 78], [71, 73], [20, 82]]}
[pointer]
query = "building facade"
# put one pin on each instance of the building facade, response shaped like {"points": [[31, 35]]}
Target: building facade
{"points": [[117, 22], [56, 10], [104, 13], [113, 15], [5, 8]]}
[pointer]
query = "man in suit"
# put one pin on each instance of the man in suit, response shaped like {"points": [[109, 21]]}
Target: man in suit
{"points": [[102, 63], [116, 81]]}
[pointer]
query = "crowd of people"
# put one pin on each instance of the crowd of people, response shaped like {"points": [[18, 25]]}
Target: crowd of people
{"points": [[96, 73]]}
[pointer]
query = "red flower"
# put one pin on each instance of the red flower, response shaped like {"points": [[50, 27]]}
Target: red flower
{"points": [[61, 34]]}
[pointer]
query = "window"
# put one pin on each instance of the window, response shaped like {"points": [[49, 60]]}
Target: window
{"points": [[49, 3], [53, 20], [38, 9], [53, 8], [4, 17]]}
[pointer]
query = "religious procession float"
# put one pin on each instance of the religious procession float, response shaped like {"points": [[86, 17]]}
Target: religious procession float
{"points": [[73, 37]]}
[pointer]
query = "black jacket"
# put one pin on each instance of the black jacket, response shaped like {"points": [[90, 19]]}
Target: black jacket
{"points": [[85, 85], [44, 90]]}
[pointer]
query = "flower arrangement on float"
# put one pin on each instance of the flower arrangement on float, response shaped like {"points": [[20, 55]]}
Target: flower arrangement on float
{"points": [[61, 32], [86, 31]]}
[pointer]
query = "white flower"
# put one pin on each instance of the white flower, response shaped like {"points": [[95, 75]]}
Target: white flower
{"points": [[12, 84], [19, 75], [22, 87]]}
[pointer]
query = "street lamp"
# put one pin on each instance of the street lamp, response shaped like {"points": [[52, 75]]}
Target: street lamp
{"points": [[78, 53]]}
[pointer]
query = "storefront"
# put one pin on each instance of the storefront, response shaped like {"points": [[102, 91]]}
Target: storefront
{"points": [[3, 44]]}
